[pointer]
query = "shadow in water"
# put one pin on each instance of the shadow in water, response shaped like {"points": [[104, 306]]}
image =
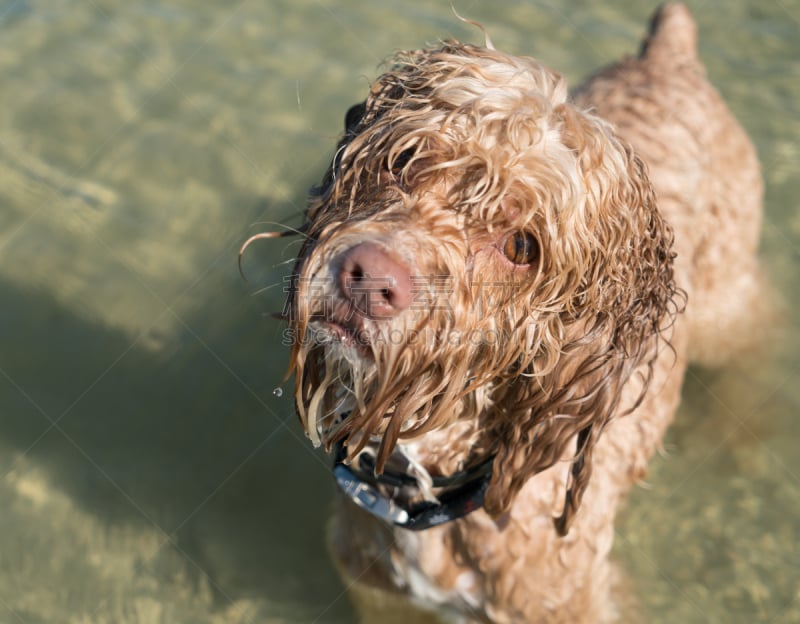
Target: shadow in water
{"points": [[187, 436]]}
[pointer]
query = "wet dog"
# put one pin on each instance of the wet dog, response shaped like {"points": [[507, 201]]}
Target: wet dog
{"points": [[490, 320]]}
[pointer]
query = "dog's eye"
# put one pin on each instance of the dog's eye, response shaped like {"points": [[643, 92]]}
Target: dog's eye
{"points": [[521, 248], [401, 161]]}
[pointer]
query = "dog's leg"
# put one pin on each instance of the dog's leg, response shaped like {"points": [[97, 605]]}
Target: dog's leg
{"points": [[375, 606]]}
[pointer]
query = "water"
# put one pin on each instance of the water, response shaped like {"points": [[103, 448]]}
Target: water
{"points": [[150, 471]]}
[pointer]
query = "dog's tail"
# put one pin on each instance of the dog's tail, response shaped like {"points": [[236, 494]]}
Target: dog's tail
{"points": [[672, 39]]}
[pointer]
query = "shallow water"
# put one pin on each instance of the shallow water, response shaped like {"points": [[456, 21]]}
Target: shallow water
{"points": [[149, 472]]}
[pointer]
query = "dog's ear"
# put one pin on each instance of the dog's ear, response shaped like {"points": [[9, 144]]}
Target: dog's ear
{"points": [[354, 116], [352, 120], [603, 335]]}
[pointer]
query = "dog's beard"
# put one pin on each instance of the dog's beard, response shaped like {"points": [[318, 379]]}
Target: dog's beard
{"points": [[344, 376], [374, 386], [395, 380]]}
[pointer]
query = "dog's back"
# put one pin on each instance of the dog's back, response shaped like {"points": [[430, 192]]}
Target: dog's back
{"points": [[705, 172]]}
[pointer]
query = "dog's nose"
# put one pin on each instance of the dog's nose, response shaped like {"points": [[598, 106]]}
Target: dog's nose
{"points": [[375, 282]]}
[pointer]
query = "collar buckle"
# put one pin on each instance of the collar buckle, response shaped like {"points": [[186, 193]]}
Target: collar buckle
{"points": [[369, 497]]}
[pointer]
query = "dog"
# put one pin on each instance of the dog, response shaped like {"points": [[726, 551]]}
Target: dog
{"points": [[498, 293]]}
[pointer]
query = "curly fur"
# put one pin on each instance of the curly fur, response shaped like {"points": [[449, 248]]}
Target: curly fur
{"points": [[571, 380]]}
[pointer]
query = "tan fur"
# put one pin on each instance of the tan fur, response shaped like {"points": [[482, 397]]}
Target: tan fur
{"points": [[577, 364]]}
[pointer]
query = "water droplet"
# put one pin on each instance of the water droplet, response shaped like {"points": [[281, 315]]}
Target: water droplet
{"points": [[278, 392]]}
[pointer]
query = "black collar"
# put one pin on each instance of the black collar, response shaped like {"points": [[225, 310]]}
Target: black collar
{"points": [[461, 493]]}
